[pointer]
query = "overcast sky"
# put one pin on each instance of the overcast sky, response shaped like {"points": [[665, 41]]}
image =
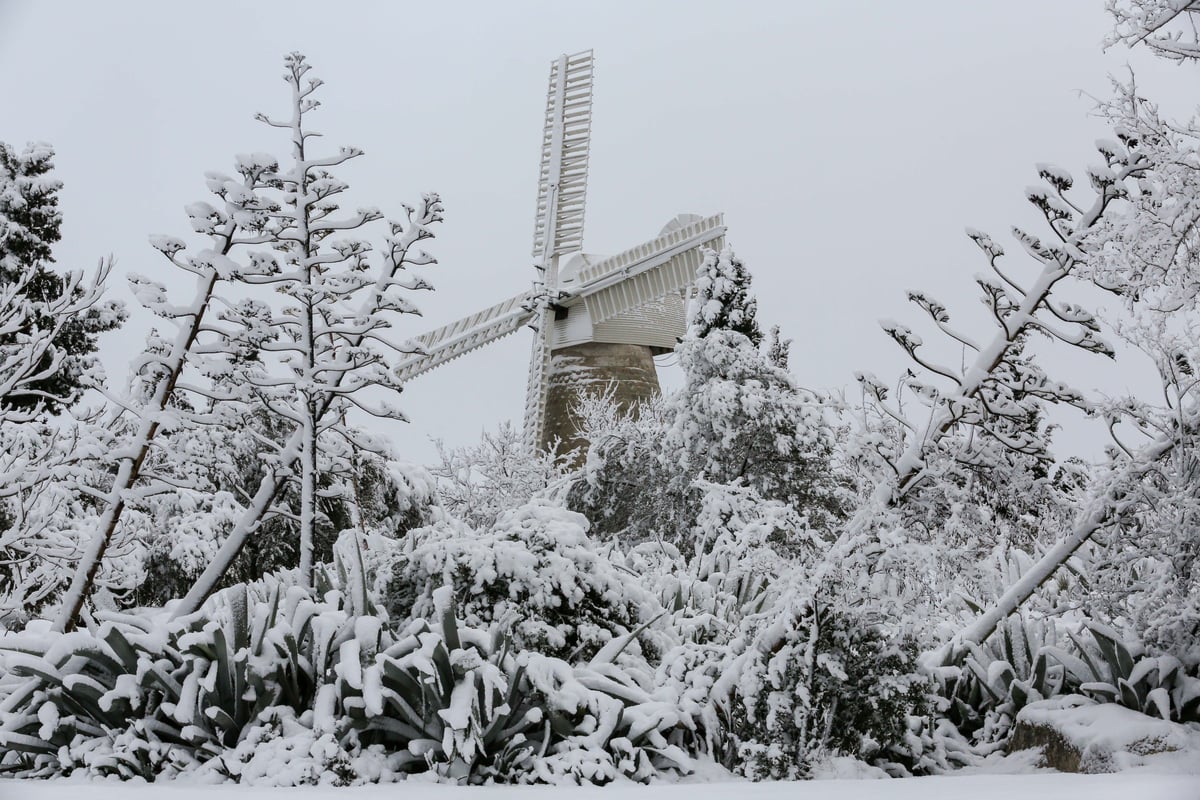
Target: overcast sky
{"points": [[847, 144]]}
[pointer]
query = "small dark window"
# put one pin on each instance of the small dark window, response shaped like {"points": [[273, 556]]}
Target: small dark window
{"points": [[560, 313]]}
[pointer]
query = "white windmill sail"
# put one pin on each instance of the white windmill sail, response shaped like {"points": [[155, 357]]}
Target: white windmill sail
{"points": [[566, 142], [562, 194], [631, 297], [469, 333], [650, 271]]}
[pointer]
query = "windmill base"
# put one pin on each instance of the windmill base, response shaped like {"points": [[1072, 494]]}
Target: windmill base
{"points": [[627, 370]]}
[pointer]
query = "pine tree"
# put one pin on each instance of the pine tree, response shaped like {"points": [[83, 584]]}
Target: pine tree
{"points": [[723, 300], [739, 419], [49, 322]]}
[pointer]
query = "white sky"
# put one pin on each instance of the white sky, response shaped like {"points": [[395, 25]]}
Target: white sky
{"points": [[848, 144]]}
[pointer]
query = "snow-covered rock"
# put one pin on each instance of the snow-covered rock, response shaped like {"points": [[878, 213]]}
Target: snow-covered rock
{"points": [[1077, 734]]}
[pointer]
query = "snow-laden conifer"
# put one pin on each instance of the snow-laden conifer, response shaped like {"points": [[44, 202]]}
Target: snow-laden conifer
{"points": [[48, 321]]}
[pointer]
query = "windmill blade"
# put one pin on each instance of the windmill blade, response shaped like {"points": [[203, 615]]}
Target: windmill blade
{"points": [[650, 271], [558, 225], [566, 141], [469, 333], [537, 386]]}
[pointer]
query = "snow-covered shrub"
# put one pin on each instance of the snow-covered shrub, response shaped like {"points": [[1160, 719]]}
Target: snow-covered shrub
{"points": [[281, 749], [608, 720], [447, 698], [181, 532], [736, 553], [624, 489], [814, 680], [147, 695], [1028, 659], [1110, 670], [468, 705], [987, 685], [478, 483], [535, 573]]}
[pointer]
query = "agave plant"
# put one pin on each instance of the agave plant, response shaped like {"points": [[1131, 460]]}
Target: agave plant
{"points": [[989, 683], [1108, 671], [452, 699], [1027, 660], [141, 695]]}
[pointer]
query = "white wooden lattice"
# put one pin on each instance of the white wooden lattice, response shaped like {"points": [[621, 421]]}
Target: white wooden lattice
{"points": [[566, 141], [668, 263], [469, 333]]}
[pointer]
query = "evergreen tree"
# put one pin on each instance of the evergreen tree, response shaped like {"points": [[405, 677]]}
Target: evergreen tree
{"points": [[739, 419], [723, 300], [53, 318]]}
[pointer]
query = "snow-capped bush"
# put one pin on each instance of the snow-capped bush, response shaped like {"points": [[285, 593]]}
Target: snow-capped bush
{"points": [[535, 573], [987, 685], [815, 680], [1030, 659], [470, 706], [478, 483], [146, 695]]}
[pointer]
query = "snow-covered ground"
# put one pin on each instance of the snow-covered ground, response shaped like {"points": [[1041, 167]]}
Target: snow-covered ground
{"points": [[1039, 786]]}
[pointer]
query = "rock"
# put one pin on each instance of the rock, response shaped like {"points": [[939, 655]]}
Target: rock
{"points": [[1077, 734]]}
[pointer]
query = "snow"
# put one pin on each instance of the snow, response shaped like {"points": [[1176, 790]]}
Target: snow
{"points": [[1111, 731], [1048, 785]]}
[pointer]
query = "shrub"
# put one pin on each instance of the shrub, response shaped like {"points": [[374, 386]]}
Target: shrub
{"points": [[1027, 660], [987, 685], [815, 681], [270, 683], [142, 696], [535, 574]]}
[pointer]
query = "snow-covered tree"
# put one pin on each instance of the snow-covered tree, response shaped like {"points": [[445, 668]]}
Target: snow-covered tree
{"points": [[1142, 246], [739, 418], [48, 321], [478, 482], [1171, 28], [171, 382], [723, 300], [317, 358], [318, 354]]}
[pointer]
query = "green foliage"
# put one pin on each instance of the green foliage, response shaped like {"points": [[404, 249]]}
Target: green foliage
{"points": [[1108, 671], [153, 700], [1027, 660], [316, 678], [987, 685], [817, 682], [723, 299], [29, 225]]}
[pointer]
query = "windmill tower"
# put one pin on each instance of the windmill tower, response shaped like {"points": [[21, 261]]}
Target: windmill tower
{"points": [[598, 321]]}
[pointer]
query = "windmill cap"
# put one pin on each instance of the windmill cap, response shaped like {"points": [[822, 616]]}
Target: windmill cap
{"points": [[570, 271], [679, 221]]}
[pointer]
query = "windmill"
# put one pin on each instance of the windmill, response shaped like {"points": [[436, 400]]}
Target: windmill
{"points": [[598, 321]]}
